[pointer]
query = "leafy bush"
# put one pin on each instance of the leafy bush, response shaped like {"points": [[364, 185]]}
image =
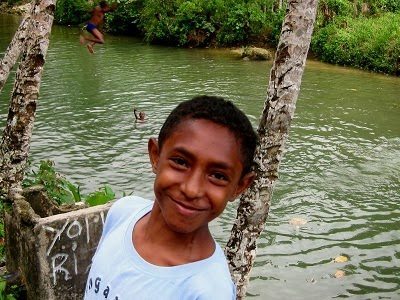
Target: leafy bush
{"points": [[194, 24], [125, 19], [101, 196], [11, 292], [378, 6], [178, 22], [329, 10], [158, 22], [72, 12], [368, 43], [201, 23], [276, 20], [340, 36], [58, 188], [242, 22], [392, 5], [61, 190]]}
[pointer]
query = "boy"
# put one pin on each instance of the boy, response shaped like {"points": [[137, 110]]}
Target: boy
{"points": [[95, 21], [164, 249]]}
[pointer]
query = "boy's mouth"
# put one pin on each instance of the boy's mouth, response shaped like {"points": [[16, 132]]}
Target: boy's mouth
{"points": [[186, 209]]}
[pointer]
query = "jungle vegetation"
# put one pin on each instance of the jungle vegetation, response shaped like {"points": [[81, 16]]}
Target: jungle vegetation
{"points": [[360, 33]]}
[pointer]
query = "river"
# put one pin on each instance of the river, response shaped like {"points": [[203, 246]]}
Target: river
{"points": [[340, 171]]}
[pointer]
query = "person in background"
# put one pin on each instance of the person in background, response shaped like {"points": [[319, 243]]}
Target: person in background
{"points": [[93, 25], [139, 115]]}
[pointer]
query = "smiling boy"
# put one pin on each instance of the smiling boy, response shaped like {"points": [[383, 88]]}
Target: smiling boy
{"points": [[163, 249]]}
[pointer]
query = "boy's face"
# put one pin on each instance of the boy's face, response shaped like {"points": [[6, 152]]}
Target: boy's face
{"points": [[198, 170]]}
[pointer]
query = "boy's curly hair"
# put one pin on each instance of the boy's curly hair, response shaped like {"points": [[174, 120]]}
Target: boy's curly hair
{"points": [[219, 111]]}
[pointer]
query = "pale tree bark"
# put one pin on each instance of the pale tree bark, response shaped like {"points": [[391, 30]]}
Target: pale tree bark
{"points": [[13, 50], [14, 149], [283, 90]]}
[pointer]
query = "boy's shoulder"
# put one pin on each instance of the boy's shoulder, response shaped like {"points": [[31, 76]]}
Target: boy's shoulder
{"points": [[131, 201], [124, 208], [128, 204]]}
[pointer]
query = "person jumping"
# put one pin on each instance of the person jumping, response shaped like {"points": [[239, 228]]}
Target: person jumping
{"points": [[93, 24]]}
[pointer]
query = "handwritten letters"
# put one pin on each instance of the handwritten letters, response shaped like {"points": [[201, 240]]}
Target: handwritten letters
{"points": [[72, 237]]}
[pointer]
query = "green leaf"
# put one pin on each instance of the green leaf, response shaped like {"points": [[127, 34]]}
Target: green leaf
{"points": [[100, 197], [75, 190]]}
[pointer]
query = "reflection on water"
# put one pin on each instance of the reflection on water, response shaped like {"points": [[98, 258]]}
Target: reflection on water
{"points": [[340, 171]]}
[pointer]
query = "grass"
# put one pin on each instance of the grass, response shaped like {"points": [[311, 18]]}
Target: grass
{"points": [[367, 43]]}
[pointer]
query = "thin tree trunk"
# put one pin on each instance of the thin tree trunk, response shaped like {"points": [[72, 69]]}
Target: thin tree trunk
{"points": [[283, 90], [14, 149], [13, 50]]}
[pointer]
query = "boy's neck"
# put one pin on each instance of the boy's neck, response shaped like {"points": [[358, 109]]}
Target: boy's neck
{"points": [[159, 245]]}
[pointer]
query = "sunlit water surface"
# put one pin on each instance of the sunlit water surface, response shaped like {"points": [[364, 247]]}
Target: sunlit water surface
{"points": [[340, 171]]}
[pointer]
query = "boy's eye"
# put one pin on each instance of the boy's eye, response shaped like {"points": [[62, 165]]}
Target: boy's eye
{"points": [[179, 162], [219, 178]]}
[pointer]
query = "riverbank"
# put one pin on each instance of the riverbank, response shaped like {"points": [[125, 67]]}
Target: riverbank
{"points": [[365, 37], [5, 8], [366, 43]]}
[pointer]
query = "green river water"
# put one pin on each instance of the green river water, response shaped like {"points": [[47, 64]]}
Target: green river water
{"points": [[340, 171]]}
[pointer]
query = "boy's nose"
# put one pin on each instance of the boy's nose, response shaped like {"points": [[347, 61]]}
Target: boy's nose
{"points": [[193, 185]]}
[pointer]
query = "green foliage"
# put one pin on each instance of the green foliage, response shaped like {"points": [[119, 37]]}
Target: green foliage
{"points": [[368, 43], [338, 7], [204, 23], [179, 22], [12, 292], [276, 21], [4, 294], [236, 27], [57, 187], [125, 19], [158, 22], [72, 12], [197, 22], [101, 196], [392, 6], [237, 22], [193, 23], [360, 33], [328, 10], [376, 7], [61, 190]]}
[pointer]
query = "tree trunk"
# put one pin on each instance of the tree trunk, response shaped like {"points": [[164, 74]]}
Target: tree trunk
{"points": [[13, 51], [273, 130], [14, 148]]}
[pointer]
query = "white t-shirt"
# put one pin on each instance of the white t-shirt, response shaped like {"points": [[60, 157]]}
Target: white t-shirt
{"points": [[119, 272]]}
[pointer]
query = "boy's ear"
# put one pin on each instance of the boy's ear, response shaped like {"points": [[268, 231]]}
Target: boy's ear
{"points": [[154, 154], [244, 183]]}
